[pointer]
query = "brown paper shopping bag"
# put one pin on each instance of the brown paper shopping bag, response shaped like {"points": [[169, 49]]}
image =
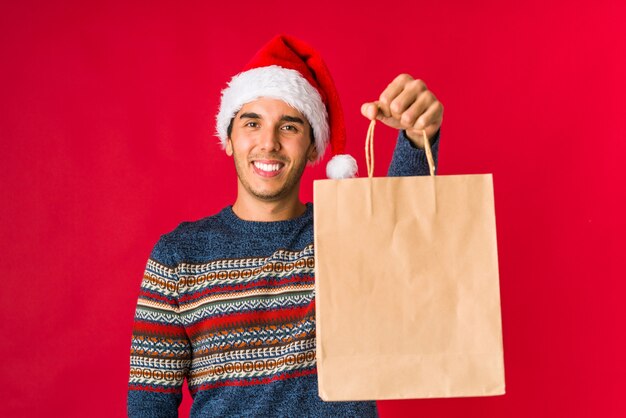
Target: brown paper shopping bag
{"points": [[407, 293]]}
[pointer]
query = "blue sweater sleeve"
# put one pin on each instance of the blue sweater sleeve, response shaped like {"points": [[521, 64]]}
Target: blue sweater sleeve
{"points": [[409, 160], [160, 348]]}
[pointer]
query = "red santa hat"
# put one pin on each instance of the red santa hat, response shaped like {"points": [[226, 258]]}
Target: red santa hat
{"points": [[290, 70]]}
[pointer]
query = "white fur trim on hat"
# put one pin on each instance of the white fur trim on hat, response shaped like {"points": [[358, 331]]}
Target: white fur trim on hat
{"points": [[274, 82], [341, 166]]}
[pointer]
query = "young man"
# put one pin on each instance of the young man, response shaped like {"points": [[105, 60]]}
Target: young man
{"points": [[227, 301]]}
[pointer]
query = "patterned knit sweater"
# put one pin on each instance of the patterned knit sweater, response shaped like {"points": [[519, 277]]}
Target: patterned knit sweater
{"points": [[229, 305]]}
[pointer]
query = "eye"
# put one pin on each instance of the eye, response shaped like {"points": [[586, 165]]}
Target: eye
{"points": [[251, 124], [291, 128]]}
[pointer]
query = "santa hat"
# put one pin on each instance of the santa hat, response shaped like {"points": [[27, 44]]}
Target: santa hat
{"points": [[290, 70]]}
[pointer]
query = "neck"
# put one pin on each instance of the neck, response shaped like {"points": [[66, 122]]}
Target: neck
{"points": [[250, 208]]}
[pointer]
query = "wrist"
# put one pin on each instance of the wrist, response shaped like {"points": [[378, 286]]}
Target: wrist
{"points": [[417, 140]]}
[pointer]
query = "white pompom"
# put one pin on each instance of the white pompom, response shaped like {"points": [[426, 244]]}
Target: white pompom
{"points": [[341, 166]]}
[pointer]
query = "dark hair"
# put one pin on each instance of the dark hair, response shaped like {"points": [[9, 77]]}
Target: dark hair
{"points": [[229, 130]]}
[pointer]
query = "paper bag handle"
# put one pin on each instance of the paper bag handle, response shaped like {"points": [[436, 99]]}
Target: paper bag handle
{"points": [[369, 151]]}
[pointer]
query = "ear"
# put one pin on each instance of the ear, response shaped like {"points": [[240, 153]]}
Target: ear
{"points": [[229, 147], [312, 154]]}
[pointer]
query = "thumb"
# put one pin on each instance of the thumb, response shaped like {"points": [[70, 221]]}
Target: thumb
{"points": [[370, 110]]}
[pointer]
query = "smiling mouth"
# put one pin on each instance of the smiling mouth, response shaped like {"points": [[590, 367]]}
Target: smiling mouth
{"points": [[268, 169]]}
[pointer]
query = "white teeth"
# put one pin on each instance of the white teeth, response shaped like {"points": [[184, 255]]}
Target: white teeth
{"points": [[267, 167]]}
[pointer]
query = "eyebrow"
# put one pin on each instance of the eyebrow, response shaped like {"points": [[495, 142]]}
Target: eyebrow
{"points": [[294, 119], [283, 118], [249, 115]]}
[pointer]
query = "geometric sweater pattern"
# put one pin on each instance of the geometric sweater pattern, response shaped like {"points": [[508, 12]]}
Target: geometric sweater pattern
{"points": [[229, 306]]}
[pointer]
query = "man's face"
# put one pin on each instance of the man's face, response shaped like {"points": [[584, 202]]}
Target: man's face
{"points": [[271, 144]]}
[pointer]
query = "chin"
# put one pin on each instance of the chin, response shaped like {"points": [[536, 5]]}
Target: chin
{"points": [[269, 197]]}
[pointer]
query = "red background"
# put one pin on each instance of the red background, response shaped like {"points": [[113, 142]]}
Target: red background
{"points": [[106, 134]]}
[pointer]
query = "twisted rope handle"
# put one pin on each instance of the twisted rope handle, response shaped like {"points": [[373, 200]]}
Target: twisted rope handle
{"points": [[369, 151]]}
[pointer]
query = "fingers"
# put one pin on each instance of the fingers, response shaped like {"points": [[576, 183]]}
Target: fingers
{"points": [[406, 103], [397, 97], [369, 110], [372, 111], [432, 116], [430, 121], [416, 109], [391, 92], [401, 94]]}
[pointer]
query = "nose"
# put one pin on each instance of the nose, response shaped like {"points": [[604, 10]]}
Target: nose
{"points": [[269, 139]]}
